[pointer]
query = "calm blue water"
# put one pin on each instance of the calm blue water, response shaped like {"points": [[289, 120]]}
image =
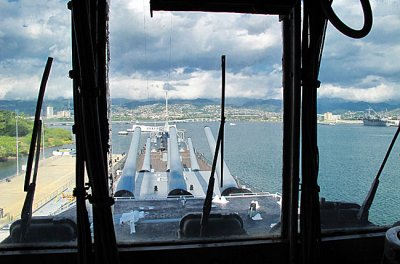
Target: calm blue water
{"points": [[9, 168], [350, 157]]}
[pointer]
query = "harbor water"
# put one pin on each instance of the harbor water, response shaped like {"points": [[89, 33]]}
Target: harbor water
{"points": [[349, 158]]}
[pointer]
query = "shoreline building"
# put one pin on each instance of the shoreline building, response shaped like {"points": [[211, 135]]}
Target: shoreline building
{"points": [[49, 112]]}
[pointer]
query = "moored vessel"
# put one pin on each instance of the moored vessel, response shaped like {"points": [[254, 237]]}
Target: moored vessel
{"points": [[375, 119], [64, 152], [123, 133]]}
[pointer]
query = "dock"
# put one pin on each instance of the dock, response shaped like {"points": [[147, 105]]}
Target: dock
{"points": [[56, 178], [55, 174]]}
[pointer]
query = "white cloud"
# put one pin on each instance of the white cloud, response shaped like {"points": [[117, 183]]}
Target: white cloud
{"points": [[22, 85], [184, 49], [31, 31], [376, 94], [198, 84]]}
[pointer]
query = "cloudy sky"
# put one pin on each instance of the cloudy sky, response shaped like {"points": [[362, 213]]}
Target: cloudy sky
{"points": [[182, 51]]}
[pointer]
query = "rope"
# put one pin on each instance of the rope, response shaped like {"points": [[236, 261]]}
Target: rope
{"points": [[346, 30]]}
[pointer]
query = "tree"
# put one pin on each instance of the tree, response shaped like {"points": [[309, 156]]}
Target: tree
{"points": [[8, 126]]}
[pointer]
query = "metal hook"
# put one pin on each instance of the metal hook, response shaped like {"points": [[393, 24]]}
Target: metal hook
{"points": [[339, 25]]}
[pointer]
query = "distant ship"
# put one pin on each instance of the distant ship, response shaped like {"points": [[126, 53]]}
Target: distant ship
{"points": [[123, 133], [64, 152], [375, 119]]}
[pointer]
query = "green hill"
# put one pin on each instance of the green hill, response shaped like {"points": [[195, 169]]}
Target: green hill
{"points": [[8, 127]]}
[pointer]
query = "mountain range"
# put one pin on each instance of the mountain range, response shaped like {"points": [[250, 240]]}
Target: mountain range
{"points": [[336, 106]]}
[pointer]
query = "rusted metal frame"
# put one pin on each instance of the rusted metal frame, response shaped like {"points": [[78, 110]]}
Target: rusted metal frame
{"points": [[84, 239], [271, 7], [291, 128], [314, 27], [99, 36], [104, 235]]}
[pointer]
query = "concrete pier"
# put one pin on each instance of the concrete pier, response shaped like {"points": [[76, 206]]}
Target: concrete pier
{"points": [[55, 174]]}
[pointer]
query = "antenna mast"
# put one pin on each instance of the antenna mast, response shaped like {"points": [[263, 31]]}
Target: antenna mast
{"points": [[166, 104]]}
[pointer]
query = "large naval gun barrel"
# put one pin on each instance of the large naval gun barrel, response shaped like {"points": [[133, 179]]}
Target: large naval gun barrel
{"points": [[126, 183], [229, 183], [176, 180], [193, 160], [146, 162], [169, 154]]}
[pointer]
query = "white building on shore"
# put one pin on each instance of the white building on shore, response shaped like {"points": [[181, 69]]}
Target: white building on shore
{"points": [[49, 112]]}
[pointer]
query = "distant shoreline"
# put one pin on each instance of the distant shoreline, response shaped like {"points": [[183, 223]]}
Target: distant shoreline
{"points": [[342, 122], [25, 153], [4, 159]]}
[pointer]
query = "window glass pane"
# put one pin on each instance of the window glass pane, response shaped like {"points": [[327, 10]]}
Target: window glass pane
{"points": [[359, 86], [55, 177], [175, 52], [30, 32], [178, 55]]}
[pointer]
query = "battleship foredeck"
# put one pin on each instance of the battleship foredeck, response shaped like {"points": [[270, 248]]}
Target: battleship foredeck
{"points": [[160, 219], [162, 198]]}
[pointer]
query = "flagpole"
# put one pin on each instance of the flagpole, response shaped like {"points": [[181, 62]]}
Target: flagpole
{"points": [[16, 140], [43, 140]]}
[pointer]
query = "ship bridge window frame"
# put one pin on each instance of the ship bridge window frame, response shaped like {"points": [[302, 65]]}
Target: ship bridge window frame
{"points": [[288, 17], [290, 247], [296, 107]]}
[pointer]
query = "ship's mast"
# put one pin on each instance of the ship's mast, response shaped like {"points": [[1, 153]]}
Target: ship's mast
{"points": [[166, 105], [166, 125]]}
